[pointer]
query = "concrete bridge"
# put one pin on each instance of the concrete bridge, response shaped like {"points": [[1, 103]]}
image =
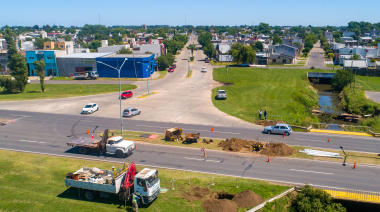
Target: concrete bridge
{"points": [[320, 78]]}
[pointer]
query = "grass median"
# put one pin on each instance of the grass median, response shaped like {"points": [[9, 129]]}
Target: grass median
{"points": [[36, 183], [54, 91], [285, 93]]}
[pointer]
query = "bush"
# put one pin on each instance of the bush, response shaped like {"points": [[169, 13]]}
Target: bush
{"points": [[312, 67], [355, 101], [341, 79], [9, 85]]}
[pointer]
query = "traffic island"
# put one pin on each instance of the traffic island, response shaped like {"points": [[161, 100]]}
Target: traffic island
{"points": [[147, 94]]}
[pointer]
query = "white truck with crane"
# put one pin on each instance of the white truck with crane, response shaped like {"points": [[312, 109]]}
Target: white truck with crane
{"points": [[93, 182]]}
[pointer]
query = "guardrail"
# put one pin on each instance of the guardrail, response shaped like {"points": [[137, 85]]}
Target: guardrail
{"points": [[350, 194]]}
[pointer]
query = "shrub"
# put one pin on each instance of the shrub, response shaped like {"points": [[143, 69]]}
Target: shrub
{"points": [[9, 85], [312, 67]]}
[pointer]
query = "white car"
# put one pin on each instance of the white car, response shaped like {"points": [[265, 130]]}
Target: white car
{"points": [[90, 108], [204, 70], [221, 94], [175, 60]]}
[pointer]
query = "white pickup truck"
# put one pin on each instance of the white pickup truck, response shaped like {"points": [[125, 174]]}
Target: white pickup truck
{"points": [[221, 94], [115, 145]]}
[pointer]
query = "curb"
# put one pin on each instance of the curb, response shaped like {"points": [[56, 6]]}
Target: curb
{"points": [[340, 132]]}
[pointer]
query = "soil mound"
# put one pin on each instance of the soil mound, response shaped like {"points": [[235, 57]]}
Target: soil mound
{"points": [[196, 194], [237, 145], [248, 199], [219, 205], [278, 149]]}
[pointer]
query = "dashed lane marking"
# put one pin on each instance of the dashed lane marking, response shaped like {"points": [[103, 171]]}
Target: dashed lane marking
{"points": [[311, 171]]}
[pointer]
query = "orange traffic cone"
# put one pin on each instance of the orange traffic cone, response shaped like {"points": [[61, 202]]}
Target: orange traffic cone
{"points": [[329, 139], [92, 136], [204, 154], [283, 135], [268, 159], [355, 165], [212, 129], [12, 120], [88, 131]]}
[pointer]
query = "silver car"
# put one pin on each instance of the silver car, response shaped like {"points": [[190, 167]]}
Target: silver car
{"points": [[279, 129], [129, 112]]}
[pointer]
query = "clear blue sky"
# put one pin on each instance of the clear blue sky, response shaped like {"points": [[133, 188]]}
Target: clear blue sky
{"points": [[197, 12]]}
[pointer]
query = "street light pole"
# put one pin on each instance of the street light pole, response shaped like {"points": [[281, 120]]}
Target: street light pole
{"points": [[118, 70]]}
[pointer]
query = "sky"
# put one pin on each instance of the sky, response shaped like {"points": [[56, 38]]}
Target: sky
{"points": [[194, 12]]}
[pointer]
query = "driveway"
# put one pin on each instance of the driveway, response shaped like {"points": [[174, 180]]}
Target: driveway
{"points": [[177, 99]]}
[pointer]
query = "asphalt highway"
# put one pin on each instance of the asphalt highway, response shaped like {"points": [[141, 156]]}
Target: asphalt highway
{"points": [[48, 134]]}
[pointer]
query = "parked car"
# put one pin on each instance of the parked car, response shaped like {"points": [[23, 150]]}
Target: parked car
{"points": [[174, 66], [279, 129], [221, 94], [129, 112], [126, 94], [207, 60], [204, 70], [171, 69], [244, 65], [90, 108], [175, 60]]}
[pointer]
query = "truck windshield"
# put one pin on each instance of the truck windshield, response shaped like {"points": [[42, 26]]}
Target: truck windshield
{"points": [[118, 141], [152, 179]]}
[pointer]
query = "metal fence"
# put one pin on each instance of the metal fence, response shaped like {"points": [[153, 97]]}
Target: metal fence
{"points": [[350, 194]]}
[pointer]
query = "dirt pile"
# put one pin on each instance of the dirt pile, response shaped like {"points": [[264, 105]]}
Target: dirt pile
{"points": [[277, 149], [196, 194], [248, 199], [215, 204], [237, 145]]}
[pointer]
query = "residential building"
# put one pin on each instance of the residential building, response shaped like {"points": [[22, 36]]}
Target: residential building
{"points": [[3, 45], [156, 49], [27, 45], [67, 46], [49, 56], [365, 39], [355, 64], [329, 36], [115, 48], [4, 63], [135, 65], [348, 34], [71, 64]]}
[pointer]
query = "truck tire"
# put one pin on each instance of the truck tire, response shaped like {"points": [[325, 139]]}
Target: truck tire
{"points": [[89, 195], [119, 153], [82, 150]]}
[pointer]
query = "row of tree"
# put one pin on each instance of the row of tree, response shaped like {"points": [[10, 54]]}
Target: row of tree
{"points": [[176, 43]]}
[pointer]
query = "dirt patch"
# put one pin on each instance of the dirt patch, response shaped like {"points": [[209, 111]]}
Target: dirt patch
{"points": [[248, 199], [277, 149], [215, 204], [196, 194], [268, 122], [238, 145]]}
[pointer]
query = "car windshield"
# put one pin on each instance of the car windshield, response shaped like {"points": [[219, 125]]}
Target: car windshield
{"points": [[152, 179], [88, 106], [222, 92]]}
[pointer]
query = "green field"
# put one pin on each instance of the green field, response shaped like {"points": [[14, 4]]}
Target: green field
{"points": [[33, 91], [36, 183], [369, 83], [162, 75], [285, 93]]}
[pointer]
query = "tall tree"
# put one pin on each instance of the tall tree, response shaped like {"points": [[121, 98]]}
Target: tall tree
{"points": [[16, 62], [245, 54], [259, 46], [40, 70], [277, 40]]}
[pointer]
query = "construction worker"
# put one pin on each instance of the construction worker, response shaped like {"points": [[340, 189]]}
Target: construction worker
{"points": [[135, 199]]}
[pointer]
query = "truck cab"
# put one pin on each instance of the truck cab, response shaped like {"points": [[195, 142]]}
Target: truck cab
{"points": [[147, 184], [116, 145]]}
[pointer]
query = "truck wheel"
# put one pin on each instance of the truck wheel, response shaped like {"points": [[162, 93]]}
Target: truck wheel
{"points": [[119, 154], [82, 150], [89, 195]]}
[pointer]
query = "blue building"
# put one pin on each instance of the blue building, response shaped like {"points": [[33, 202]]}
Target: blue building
{"points": [[49, 56], [135, 65]]}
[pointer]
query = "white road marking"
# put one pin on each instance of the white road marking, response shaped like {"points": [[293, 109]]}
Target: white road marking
{"points": [[203, 160], [29, 141], [310, 171], [303, 139], [41, 142]]}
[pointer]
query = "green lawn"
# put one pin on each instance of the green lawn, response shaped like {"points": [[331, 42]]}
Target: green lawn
{"points": [[283, 92], [369, 83], [36, 183], [33, 91], [62, 78]]}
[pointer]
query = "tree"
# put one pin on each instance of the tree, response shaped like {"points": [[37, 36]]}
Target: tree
{"points": [[259, 46], [19, 44], [16, 62], [331, 55], [165, 61], [39, 42], [111, 42], [305, 51], [340, 80], [355, 57], [263, 28], [298, 45], [95, 45], [310, 199], [161, 33], [40, 70], [277, 40], [124, 50], [209, 50], [245, 54]]}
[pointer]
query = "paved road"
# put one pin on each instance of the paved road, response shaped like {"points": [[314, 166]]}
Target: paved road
{"points": [[178, 99], [373, 95], [48, 134], [316, 58]]}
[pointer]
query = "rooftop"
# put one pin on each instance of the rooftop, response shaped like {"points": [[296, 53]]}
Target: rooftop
{"points": [[128, 55], [86, 55]]}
